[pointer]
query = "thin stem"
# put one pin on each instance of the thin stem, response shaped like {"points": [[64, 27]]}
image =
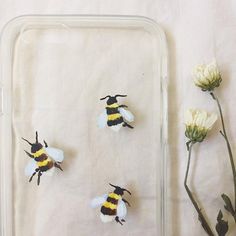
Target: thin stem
{"points": [[200, 215], [224, 134]]}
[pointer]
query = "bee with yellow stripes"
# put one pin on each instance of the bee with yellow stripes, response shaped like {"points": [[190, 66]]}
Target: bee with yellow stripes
{"points": [[115, 116], [43, 159], [112, 205]]}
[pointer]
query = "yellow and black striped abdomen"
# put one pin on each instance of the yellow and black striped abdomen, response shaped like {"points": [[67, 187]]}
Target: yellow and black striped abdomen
{"points": [[113, 115], [43, 161], [109, 207]]}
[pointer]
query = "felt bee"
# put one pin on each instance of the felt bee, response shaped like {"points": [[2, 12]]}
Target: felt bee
{"points": [[115, 116], [43, 159], [112, 205]]}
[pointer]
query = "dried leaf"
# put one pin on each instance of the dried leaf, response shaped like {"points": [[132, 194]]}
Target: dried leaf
{"points": [[222, 226], [220, 216], [228, 205]]}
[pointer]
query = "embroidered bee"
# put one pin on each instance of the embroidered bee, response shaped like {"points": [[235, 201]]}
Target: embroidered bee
{"points": [[112, 205], [115, 116], [43, 159]]}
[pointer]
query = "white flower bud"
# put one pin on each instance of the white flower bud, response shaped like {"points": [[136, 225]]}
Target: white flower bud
{"points": [[207, 77], [198, 123]]}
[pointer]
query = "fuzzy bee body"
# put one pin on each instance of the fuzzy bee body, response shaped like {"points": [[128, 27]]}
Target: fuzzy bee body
{"points": [[43, 159], [112, 205], [109, 207], [115, 116]]}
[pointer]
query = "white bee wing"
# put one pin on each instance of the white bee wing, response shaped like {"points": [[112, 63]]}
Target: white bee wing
{"points": [[116, 128], [121, 209], [55, 153], [106, 218], [127, 115], [30, 167], [102, 120], [49, 172], [98, 201]]}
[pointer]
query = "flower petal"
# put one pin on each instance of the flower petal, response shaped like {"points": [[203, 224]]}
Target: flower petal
{"points": [[188, 117], [211, 120], [201, 117]]}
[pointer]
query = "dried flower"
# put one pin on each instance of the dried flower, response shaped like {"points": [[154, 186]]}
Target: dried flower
{"points": [[207, 77], [198, 123]]}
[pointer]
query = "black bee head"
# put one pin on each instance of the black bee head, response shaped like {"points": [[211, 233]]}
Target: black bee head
{"points": [[120, 191], [34, 146], [112, 99]]}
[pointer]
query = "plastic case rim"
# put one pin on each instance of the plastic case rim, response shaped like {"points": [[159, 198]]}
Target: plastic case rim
{"points": [[10, 31]]}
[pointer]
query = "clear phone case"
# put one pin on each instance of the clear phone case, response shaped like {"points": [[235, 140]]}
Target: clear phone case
{"points": [[54, 70]]}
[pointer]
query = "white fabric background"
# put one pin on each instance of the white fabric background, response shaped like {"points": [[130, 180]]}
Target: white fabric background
{"points": [[196, 31]]}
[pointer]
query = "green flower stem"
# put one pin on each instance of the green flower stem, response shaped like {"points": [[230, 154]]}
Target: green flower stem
{"points": [[224, 134], [200, 215]]}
